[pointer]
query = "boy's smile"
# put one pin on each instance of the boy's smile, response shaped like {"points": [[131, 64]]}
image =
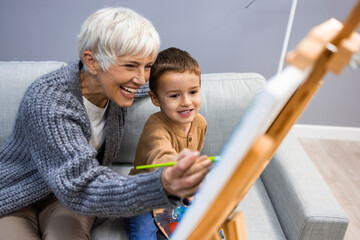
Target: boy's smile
{"points": [[178, 96]]}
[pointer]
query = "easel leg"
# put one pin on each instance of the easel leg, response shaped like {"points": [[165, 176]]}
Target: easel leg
{"points": [[234, 227]]}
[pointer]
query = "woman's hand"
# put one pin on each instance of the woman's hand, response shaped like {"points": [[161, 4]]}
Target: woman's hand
{"points": [[183, 179]]}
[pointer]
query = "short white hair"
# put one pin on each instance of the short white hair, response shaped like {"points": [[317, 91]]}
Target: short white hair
{"points": [[115, 32]]}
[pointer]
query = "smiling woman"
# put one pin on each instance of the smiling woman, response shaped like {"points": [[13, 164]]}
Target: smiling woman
{"points": [[54, 169], [118, 83]]}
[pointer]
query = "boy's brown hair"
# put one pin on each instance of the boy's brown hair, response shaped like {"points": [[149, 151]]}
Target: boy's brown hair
{"points": [[172, 60]]}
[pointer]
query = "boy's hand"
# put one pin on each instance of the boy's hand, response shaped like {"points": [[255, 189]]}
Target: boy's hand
{"points": [[183, 179]]}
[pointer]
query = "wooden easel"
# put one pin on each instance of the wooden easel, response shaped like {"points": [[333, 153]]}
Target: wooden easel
{"points": [[333, 54]]}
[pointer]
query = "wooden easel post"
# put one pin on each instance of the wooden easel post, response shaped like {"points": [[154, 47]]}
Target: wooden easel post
{"points": [[265, 147], [238, 185], [234, 227]]}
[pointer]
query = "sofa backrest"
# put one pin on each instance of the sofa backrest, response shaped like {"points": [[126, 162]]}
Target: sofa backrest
{"points": [[224, 99]]}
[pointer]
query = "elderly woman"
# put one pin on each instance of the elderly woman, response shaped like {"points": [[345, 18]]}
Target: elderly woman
{"points": [[54, 168]]}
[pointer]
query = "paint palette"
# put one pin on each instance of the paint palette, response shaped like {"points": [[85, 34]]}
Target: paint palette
{"points": [[167, 219]]}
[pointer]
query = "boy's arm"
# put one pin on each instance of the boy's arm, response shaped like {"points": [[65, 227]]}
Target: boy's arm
{"points": [[158, 146], [155, 146]]}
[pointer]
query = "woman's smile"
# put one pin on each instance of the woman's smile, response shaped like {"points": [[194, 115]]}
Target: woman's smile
{"points": [[128, 92]]}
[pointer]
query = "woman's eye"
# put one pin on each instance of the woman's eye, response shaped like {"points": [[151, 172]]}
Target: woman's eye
{"points": [[130, 66]]}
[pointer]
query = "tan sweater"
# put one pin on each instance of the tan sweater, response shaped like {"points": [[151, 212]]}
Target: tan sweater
{"points": [[161, 140]]}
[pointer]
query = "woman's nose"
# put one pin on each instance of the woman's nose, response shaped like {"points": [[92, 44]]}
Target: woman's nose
{"points": [[141, 77]]}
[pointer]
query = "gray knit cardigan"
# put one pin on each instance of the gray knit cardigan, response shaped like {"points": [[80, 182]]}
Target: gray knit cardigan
{"points": [[48, 152]]}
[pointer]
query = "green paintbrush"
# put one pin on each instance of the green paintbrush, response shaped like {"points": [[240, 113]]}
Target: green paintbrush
{"points": [[169, 164]]}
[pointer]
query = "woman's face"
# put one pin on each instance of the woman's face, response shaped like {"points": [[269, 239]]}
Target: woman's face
{"points": [[120, 82]]}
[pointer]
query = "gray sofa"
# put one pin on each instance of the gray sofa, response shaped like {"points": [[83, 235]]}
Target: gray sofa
{"points": [[289, 201]]}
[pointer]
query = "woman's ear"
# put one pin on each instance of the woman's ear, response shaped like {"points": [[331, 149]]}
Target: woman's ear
{"points": [[154, 99], [90, 62]]}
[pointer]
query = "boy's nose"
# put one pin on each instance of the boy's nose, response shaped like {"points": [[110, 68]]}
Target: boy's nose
{"points": [[185, 101]]}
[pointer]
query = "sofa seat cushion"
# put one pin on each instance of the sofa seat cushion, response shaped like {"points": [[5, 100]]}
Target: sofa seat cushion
{"points": [[109, 229], [260, 217]]}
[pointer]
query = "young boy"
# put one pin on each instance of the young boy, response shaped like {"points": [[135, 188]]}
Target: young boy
{"points": [[175, 88]]}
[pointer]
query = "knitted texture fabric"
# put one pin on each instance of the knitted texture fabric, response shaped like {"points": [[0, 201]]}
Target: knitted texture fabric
{"points": [[48, 152], [143, 91]]}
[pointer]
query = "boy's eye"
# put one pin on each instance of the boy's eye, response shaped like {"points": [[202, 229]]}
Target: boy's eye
{"points": [[174, 96], [193, 92]]}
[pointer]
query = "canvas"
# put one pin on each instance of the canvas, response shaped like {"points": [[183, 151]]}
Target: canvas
{"points": [[256, 120]]}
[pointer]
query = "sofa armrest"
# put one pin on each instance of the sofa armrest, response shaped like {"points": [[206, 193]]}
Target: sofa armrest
{"points": [[306, 207]]}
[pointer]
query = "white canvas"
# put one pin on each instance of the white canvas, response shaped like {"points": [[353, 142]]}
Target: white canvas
{"points": [[257, 118]]}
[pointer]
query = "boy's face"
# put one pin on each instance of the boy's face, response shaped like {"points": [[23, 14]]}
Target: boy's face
{"points": [[178, 96]]}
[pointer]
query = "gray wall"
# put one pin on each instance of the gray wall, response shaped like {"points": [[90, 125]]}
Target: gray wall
{"points": [[222, 35]]}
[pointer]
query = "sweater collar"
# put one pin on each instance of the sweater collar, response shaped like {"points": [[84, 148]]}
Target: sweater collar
{"points": [[73, 73]]}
